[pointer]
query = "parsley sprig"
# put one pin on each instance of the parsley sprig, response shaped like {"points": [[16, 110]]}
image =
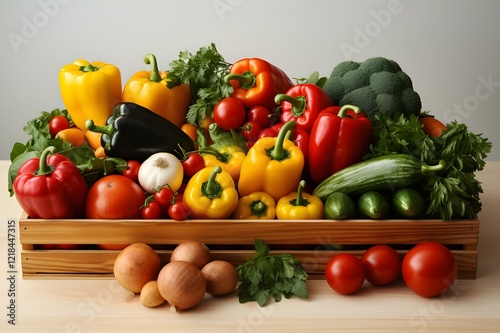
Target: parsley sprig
{"points": [[264, 276], [204, 72], [454, 191]]}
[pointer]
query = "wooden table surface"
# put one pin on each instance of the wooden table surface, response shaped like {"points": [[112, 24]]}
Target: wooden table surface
{"points": [[103, 306]]}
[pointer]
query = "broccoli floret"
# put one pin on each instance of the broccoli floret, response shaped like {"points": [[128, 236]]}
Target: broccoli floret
{"points": [[376, 85]]}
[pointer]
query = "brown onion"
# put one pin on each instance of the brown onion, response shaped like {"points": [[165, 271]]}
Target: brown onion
{"points": [[182, 285], [221, 277], [136, 265], [193, 252], [150, 295]]}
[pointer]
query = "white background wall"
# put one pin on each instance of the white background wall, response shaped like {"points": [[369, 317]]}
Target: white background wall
{"points": [[450, 48]]}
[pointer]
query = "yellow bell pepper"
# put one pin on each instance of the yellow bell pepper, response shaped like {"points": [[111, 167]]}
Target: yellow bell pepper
{"points": [[229, 158], [300, 206], [272, 165], [211, 194], [149, 89], [90, 91], [257, 205]]}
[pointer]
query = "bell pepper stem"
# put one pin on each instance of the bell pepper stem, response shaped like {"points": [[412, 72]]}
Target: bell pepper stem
{"points": [[246, 80], [298, 103], [343, 110], [108, 129], [43, 167], [212, 188], [300, 200], [89, 68], [277, 152], [258, 208], [150, 59]]}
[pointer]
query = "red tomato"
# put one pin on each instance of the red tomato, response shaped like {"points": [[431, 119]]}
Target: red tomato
{"points": [[193, 163], [345, 273], [429, 269], [132, 170], [382, 264], [164, 196], [115, 197], [151, 211], [229, 113], [179, 211], [251, 130], [58, 123], [261, 115]]}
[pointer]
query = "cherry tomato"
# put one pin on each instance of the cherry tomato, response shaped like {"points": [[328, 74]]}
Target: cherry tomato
{"points": [[193, 163], [261, 115], [151, 210], [251, 130], [429, 269], [382, 264], [114, 197], [229, 113], [179, 211], [345, 273], [58, 123], [132, 170], [164, 197]]}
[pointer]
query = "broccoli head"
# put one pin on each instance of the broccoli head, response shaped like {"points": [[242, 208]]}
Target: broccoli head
{"points": [[375, 85]]}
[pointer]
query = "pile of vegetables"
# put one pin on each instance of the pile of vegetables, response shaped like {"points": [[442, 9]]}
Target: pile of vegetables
{"points": [[213, 139], [191, 273], [210, 139]]}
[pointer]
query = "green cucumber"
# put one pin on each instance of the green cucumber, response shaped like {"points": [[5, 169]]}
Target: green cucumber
{"points": [[373, 205], [380, 173]]}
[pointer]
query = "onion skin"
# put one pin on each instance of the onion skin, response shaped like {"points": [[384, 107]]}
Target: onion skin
{"points": [[150, 295], [182, 285], [193, 252], [221, 277], [136, 265]]}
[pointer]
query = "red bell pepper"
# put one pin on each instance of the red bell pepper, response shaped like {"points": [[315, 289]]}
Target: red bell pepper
{"points": [[302, 103], [340, 137], [51, 187], [256, 82]]}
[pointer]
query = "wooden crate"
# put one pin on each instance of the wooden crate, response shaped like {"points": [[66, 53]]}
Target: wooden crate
{"points": [[313, 242]]}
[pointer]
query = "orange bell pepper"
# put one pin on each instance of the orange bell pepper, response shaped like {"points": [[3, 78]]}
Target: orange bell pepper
{"points": [[256, 82]]}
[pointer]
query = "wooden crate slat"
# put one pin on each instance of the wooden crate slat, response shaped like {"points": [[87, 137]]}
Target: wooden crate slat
{"points": [[244, 232], [99, 263]]}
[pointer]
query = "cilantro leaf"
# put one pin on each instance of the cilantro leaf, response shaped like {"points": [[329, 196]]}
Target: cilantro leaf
{"points": [[264, 275], [204, 72]]}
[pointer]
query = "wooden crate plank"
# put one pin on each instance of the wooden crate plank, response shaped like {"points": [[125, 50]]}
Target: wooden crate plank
{"points": [[244, 232], [98, 263]]}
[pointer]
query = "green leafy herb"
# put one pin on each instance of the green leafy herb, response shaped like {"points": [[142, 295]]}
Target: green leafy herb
{"points": [[264, 276], [454, 191], [395, 133], [83, 156], [314, 78], [204, 72]]}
